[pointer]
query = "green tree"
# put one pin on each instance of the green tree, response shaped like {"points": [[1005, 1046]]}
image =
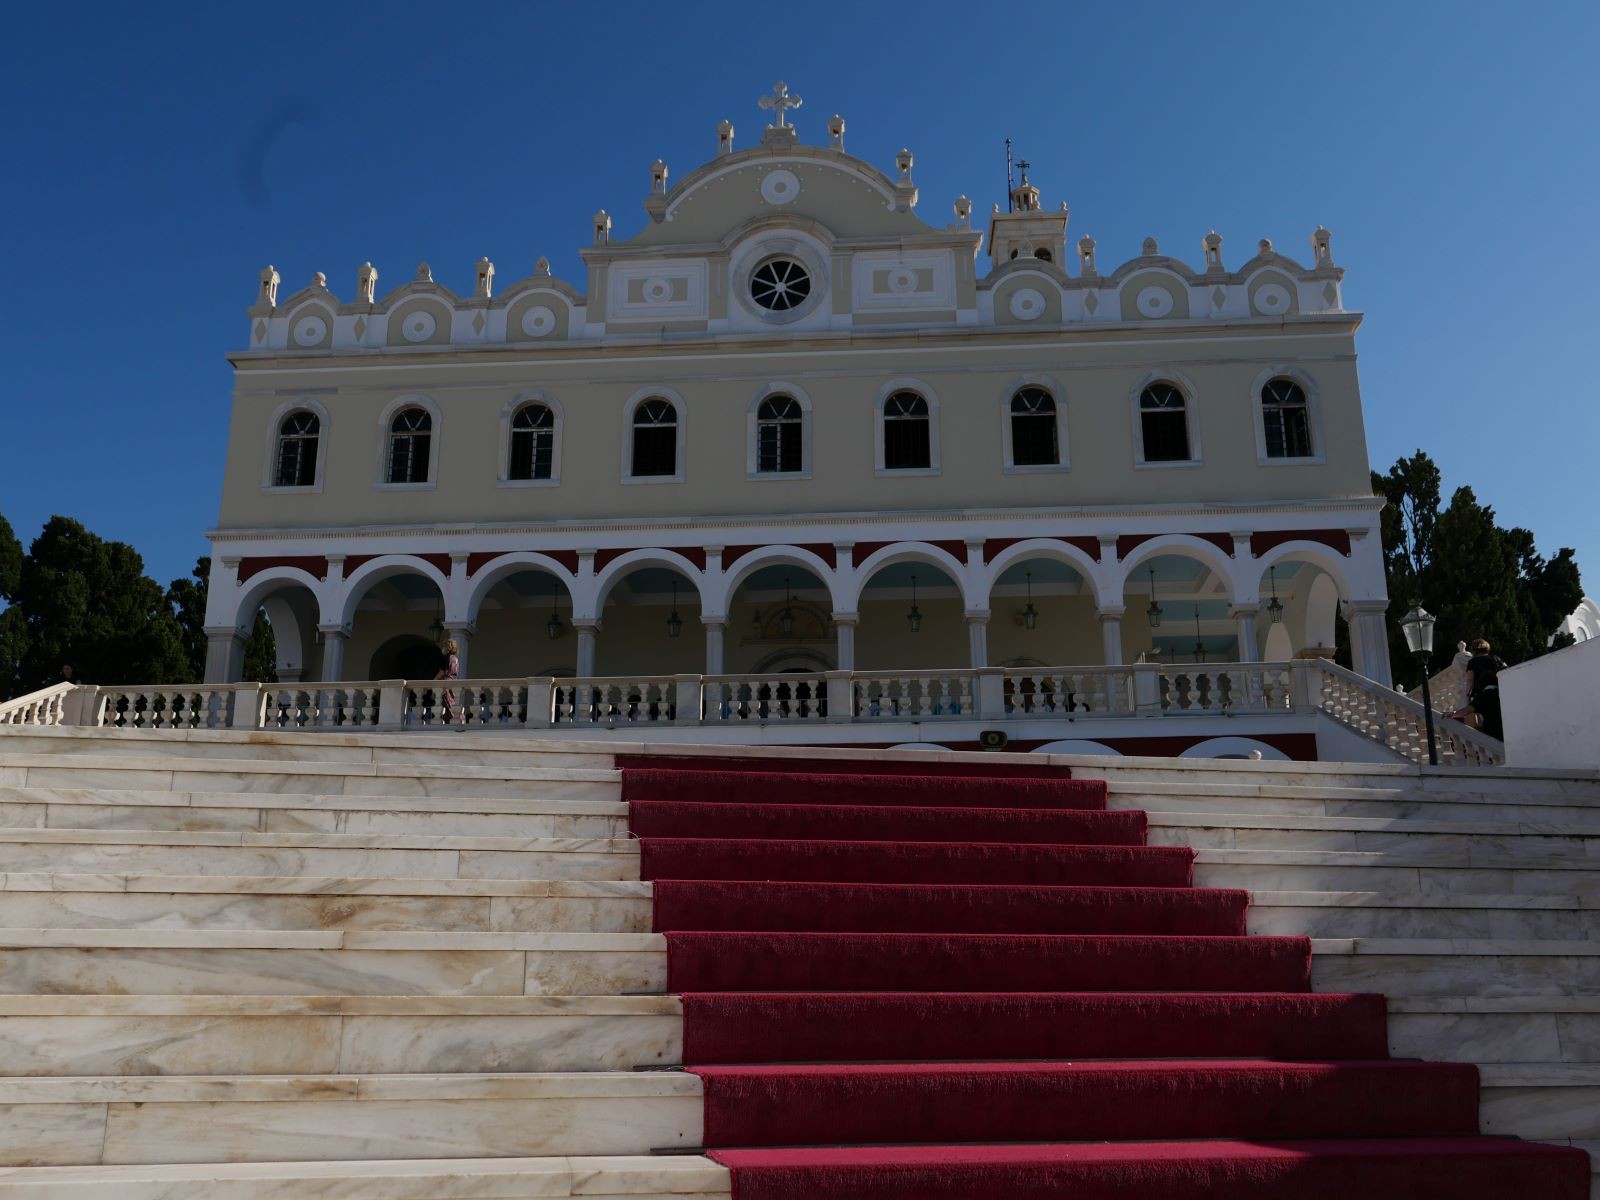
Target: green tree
{"points": [[188, 600], [13, 628], [88, 602]]}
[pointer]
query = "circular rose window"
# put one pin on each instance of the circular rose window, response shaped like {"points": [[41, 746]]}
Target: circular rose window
{"points": [[780, 284]]}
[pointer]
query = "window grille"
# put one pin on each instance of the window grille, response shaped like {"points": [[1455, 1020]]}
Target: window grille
{"points": [[410, 438], [778, 429], [655, 439], [1286, 419], [1034, 440], [905, 433], [1164, 424], [533, 442], [297, 450], [780, 284]]}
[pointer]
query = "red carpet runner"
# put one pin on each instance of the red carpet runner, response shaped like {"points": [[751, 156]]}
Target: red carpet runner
{"points": [[962, 985]]}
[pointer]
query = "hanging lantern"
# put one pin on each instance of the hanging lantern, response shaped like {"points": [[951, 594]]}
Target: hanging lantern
{"points": [[674, 621], [1274, 605], [914, 617], [554, 626], [1030, 615], [1154, 611], [1199, 646], [786, 617]]}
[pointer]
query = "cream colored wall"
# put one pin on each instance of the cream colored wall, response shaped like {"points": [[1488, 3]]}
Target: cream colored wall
{"points": [[1096, 374]]}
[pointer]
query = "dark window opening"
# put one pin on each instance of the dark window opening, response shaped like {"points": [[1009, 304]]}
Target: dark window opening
{"points": [[1164, 423], [410, 438], [297, 450], [655, 439], [905, 433], [533, 442], [1286, 419], [778, 429], [1034, 440]]}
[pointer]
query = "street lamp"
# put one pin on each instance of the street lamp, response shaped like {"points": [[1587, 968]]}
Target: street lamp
{"points": [[1417, 625], [1154, 611], [1274, 606], [786, 618]]}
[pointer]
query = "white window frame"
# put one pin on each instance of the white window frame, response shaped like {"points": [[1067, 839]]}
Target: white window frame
{"points": [[507, 413], [269, 464], [1063, 450], [680, 444], [1308, 385], [752, 435], [1191, 412], [385, 421], [932, 399]]}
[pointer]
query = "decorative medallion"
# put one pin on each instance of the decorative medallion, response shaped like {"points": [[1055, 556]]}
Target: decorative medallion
{"points": [[1272, 298], [657, 291], [1027, 304], [1155, 301], [902, 279], [309, 331], [418, 327], [779, 187], [538, 321], [1330, 294]]}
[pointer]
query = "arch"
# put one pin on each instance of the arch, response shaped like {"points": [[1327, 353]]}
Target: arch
{"points": [[508, 413], [1183, 545], [902, 552], [309, 338], [769, 664], [404, 656], [753, 431], [776, 556], [1307, 384], [404, 330], [1316, 553], [920, 746], [386, 422], [1278, 647], [1078, 746], [1322, 606], [931, 398], [845, 164], [1191, 409], [259, 587], [373, 572], [1057, 551], [1233, 747], [605, 580], [269, 460], [680, 440], [507, 565]]}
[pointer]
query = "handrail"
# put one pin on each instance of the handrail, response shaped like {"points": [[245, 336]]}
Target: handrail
{"points": [[1395, 720], [47, 706]]}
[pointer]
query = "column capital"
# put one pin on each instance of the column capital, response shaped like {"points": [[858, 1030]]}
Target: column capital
{"points": [[467, 627], [1111, 613], [846, 618], [228, 631], [586, 624], [334, 629], [1108, 547], [459, 556], [976, 614], [714, 621], [1243, 610], [1369, 608], [1241, 544]]}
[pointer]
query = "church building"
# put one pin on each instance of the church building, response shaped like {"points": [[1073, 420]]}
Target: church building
{"points": [[787, 430]]}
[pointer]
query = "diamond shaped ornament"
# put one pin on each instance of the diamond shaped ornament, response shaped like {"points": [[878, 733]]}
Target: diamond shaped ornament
{"points": [[1330, 293], [1091, 302], [478, 323], [1218, 296], [361, 327], [260, 330]]}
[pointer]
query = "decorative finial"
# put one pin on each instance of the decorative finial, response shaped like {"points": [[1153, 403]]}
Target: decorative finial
{"points": [[1086, 255], [270, 279], [602, 227], [1264, 245], [963, 208], [725, 137], [541, 265], [1322, 247], [658, 178], [903, 160], [366, 283], [1150, 246], [319, 280], [780, 102], [485, 287], [1212, 244], [836, 131], [424, 273]]}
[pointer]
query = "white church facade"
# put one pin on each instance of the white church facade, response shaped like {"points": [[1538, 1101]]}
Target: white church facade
{"points": [[788, 428]]}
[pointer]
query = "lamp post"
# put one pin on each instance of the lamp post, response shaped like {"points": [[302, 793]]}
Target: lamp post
{"points": [[1417, 625]]}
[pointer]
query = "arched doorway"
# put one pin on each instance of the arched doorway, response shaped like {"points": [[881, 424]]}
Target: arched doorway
{"points": [[523, 627]]}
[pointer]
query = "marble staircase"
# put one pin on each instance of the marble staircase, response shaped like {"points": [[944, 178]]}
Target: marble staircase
{"points": [[262, 966]]}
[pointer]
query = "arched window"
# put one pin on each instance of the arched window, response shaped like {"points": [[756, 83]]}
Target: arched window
{"points": [[779, 425], [297, 450], [410, 442], [1286, 419], [1164, 424], [906, 445], [1043, 254], [655, 439], [1034, 441], [533, 442]]}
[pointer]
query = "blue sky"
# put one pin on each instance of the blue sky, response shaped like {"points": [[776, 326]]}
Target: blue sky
{"points": [[156, 158]]}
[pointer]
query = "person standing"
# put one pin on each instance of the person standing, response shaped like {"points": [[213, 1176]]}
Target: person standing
{"points": [[449, 668], [1483, 698]]}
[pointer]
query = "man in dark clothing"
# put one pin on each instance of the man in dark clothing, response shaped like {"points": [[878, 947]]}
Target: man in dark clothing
{"points": [[1483, 672]]}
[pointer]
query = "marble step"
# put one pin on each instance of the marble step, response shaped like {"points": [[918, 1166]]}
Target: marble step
{"points": [[242, 962], [1373, 803], [669, 1177], [264, 1118], [1581, 787], [1540, 1101], [110, 901], [573, 810], [1527, 1029], [1379, 915], [216, 774], [1451, 842], [1408, 873], [335, 1035], [178, 852], [1405, 969]]}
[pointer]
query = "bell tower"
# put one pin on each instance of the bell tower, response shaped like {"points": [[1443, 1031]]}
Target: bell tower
{"points": [[1026, 230]]}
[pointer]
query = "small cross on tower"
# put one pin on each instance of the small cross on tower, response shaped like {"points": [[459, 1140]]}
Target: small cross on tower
{"points": [[780, 100]]}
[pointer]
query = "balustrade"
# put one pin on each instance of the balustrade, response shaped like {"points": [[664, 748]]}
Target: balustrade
{"points": [[1068, 691], [621, 701], [47, 707], [919, 695], [788, 697]]}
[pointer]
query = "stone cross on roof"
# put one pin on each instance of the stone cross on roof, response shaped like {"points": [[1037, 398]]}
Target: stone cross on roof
{"points": [[780, 100]]}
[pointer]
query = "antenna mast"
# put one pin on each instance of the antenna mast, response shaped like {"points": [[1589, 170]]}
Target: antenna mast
{"points": [[1008, 175]]}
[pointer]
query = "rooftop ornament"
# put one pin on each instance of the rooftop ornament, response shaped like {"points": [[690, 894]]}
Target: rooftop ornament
{"points": [[366, 283], [725, 137], [780, 102], [836, 131]]}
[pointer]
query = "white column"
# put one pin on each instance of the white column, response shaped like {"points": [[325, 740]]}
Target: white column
{"points": [[586, 640], [224, 655], [1111, 636], [715, 627], [844, 627], [1369, 641], [1246, 621], [334, 638], [978, 639], [462, 636]]}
